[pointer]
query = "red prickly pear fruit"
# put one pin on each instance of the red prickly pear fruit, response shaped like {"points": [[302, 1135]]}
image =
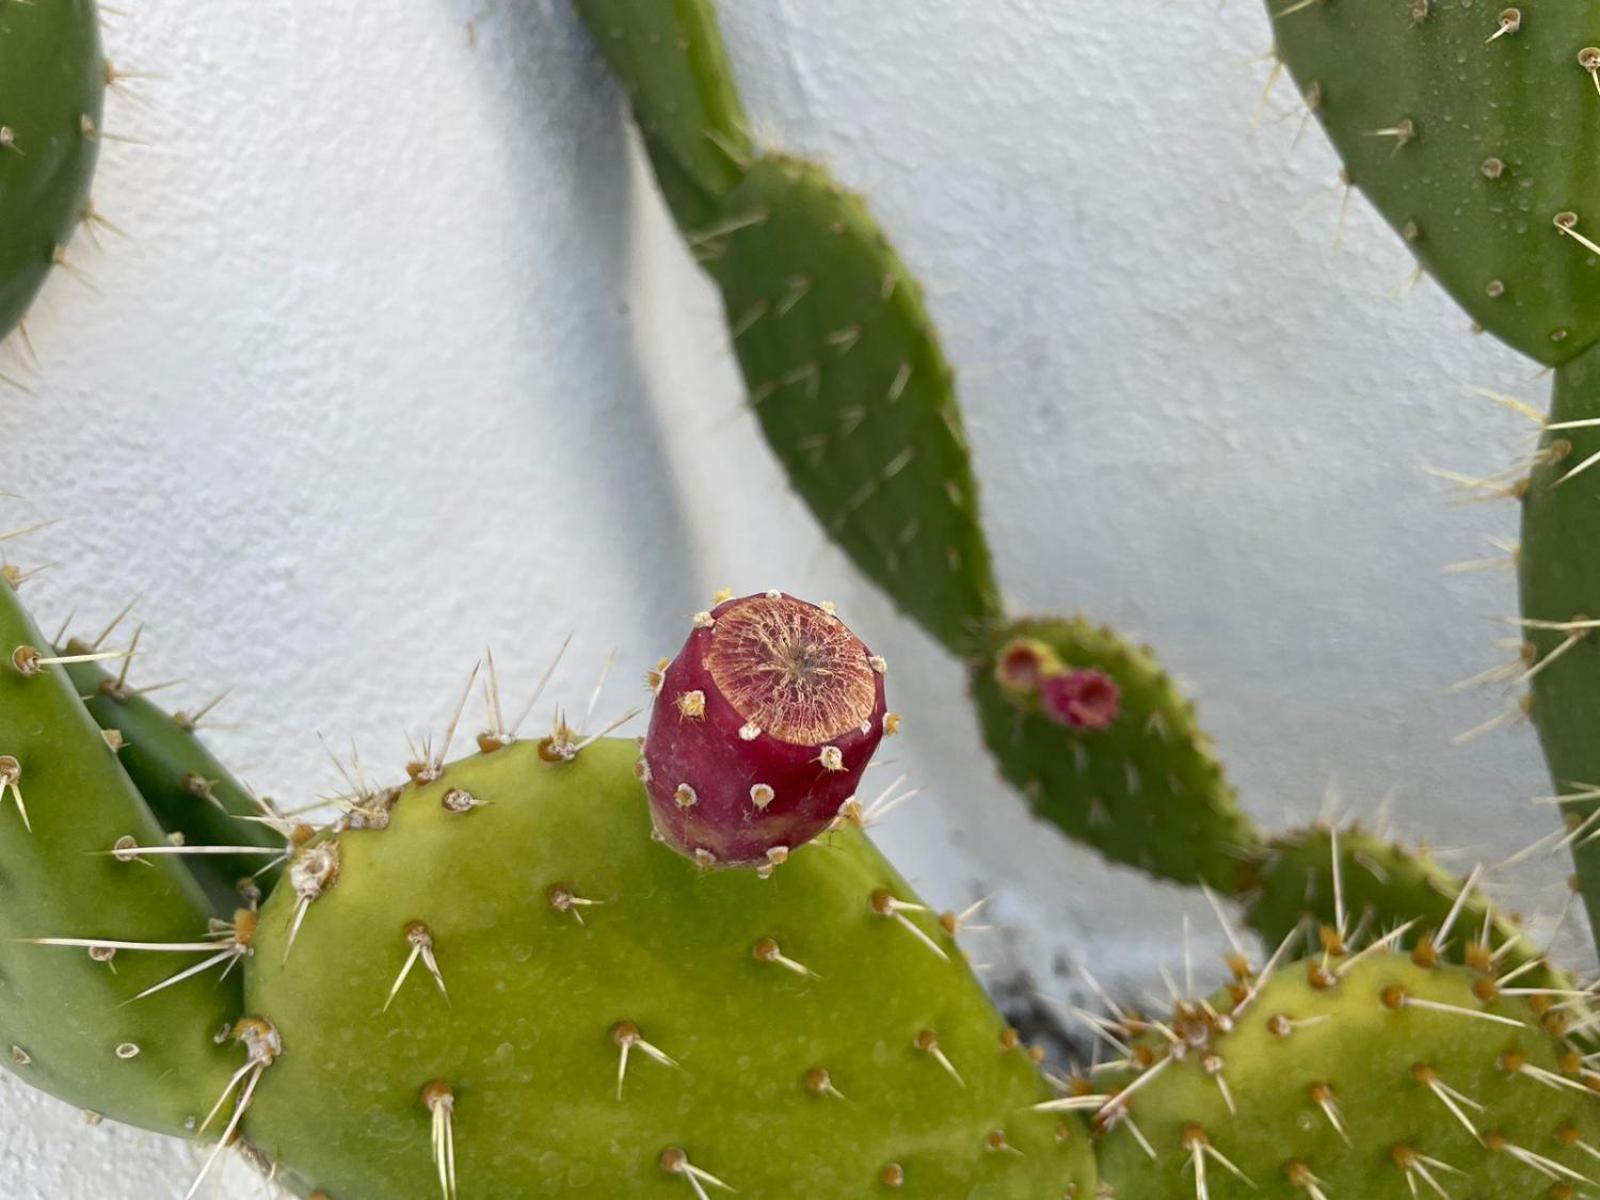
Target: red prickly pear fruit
{"points": [[1024, 663], [1081, 699], [762, 727]]}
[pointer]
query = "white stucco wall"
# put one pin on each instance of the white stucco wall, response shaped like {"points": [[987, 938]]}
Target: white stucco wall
{"points": [[400, 359]]}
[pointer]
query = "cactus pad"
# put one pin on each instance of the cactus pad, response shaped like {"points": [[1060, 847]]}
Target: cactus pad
{"points": [[52, 84], [852, 390], [68, 1020], [1145, 788], [1362, 1077], [619, 1024], [1469, 127]]}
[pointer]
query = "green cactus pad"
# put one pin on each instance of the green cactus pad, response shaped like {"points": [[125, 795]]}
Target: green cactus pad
{"points": [[68, 1023], [669, 57], [555, 918], [1560, 592], [186, 786], [1383, 885], [52, 84], [1471, 145], [852, 391], [1147, 791], [1354, 1085]]}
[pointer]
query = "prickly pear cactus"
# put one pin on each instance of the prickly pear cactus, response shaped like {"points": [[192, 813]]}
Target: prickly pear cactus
{"points": [[1469, 127], [841, 359], [1102, 743], [89, 937], [52, 85], [515, 980], [1361, 1076]]}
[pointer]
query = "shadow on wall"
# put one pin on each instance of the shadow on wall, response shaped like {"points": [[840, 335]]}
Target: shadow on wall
{"points": [[610, 440]]}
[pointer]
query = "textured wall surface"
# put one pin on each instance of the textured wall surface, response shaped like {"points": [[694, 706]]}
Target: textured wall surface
{"points": [[399, 359]]}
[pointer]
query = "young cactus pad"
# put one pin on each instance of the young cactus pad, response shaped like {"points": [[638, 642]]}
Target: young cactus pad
{"points": [[1366, 1077], [1471, 127], [762, 727], [595, 1017], [842, 361], [70, 1022], [52, 84], [1138, 781]]}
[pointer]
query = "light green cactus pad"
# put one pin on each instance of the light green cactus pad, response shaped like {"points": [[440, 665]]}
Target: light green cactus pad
{"points": [[1147, 791], [811, 1034], [69, 1022], [1365, 1077], [52, 85], [1471, 127]]}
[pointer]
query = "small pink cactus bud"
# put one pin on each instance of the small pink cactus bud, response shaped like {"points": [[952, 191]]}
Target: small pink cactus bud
{"points": [[1081, 699], [761, 729], [1023, 664]]}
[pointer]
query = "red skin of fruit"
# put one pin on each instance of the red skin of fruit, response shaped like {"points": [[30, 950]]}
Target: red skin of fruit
{"points": [[708, 754], [1086, 699]]}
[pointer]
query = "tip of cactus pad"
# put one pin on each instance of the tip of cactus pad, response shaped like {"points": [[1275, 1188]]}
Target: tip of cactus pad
{"points": [[763, 725]]}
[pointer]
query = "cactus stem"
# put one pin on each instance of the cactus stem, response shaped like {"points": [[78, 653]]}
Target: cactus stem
{"points": [[421, 942], [628, 1039]]}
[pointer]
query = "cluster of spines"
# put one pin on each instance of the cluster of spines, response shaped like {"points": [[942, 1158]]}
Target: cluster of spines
{"points": [[1176, 1102]]}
